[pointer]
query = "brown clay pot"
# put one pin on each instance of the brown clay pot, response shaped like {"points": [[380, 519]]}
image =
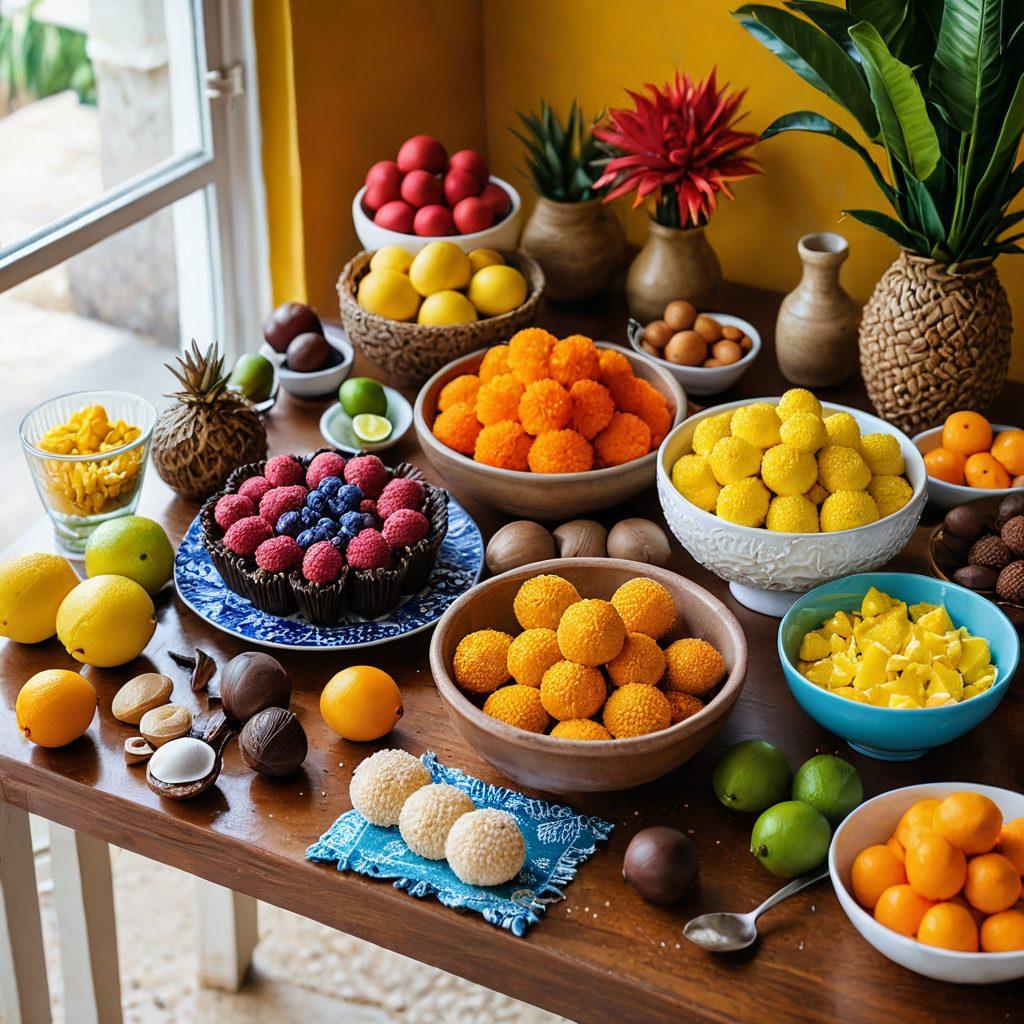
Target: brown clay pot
{"points": [[816, 330], [676, 263], [579, 246]]}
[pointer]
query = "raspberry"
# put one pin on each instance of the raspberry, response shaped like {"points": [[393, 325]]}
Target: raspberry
{"points": [[324, 465], [400, 493], [254, 488], [405, 526], [279, 554], [231, 508], [322, 563], [369, 550], [246, 535], [368, 473], [276, 502], [283, 470]]}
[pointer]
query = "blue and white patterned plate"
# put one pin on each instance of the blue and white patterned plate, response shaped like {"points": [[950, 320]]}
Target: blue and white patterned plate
{"points": [[459, 564]]}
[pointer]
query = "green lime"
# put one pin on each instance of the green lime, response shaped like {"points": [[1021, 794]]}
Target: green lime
{"points": [[253, 375], [368, 427], [751, 776], [131, 546], [829, 785], [790, 838], [363, 394]]}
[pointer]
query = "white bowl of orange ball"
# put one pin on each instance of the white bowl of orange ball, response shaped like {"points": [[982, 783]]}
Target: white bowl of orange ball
{"points": [[968, 457], [931, 877]]}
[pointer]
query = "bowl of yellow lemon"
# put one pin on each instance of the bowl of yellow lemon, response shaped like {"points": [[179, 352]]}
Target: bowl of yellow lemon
{"points": [[777, 495]]}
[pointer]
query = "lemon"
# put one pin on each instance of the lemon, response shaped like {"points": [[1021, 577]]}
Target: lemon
{"points": [[106, 621], [391, 257], [480, 258], [55, 707], [388, 293], [495, 290], [447, 307], [371, 428], [439, 267], [131, 546], [31, 590]]}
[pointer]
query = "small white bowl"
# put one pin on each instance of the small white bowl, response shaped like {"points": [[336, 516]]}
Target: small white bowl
{"points": [[503, 235], [873, 822], [950, 495], [703, 380], [319, 383], [336, 425]]}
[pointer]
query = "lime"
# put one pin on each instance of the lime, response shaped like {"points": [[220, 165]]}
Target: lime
{"points": [[363, 394], [751, 776], [131, 546], [790, 838], [253, 375], [829, 785], [368, 427]]}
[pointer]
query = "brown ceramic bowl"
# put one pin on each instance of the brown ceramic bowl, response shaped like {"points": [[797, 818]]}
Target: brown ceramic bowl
{"points": [[541, 495], [573, 766]]}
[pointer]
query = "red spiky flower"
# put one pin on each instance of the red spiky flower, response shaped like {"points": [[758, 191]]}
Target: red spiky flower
{"points": [[678, 146]]}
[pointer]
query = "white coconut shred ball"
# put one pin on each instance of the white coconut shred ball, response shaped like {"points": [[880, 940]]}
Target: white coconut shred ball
{"points": [[383, 782], [485, 847], [428, 815]]}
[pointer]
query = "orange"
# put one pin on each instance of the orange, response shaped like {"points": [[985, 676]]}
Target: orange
{"points": [[1008, 450], [900, 909], [935, 867], [945, 465], [949, 926], [917, 816], [1003, 932], [970, 821], [361, 703], [55, 707], [966, 433], [876, 869], [985, 472], [897, 849], [1011, 843], [961, 900], [993, 884]]}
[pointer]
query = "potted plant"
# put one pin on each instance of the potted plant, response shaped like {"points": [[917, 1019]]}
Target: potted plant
{"points": [[578, 242], [676, 149], [938, 87]]}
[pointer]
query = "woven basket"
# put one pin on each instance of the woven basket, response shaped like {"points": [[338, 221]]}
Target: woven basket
{"points": [[411, 352]]}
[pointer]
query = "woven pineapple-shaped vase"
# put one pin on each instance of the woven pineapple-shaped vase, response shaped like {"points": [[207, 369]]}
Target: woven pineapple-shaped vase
{"points": [[933, 343]]}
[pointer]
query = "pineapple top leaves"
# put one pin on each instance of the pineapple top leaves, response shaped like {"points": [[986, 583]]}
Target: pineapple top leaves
{"points": [[201, 375]]}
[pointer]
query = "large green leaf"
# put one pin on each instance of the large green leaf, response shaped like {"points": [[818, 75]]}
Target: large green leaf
{"points": [[898, 232], [886, 15], [832, 20], [1007, 143], [907, 131]]}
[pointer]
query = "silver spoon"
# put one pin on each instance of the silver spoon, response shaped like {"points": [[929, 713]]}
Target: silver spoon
{"points": [[726, 932]]}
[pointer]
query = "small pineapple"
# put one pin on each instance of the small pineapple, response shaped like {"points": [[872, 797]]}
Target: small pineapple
{"points": [[209, 431], [560, 158]]}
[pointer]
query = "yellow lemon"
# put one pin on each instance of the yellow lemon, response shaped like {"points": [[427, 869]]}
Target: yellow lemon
{"points": [[495, 290], [439, 267], [31, 590], [55, 707], [444, 308], [106, 621], [480, 258], [388, 293], [391, 257], [361, 703]]}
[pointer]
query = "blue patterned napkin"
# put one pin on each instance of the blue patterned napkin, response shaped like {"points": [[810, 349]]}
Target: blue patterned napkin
{"points": [[557, 841]]}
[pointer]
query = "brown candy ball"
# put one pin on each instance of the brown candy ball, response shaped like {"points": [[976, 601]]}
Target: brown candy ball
{"points": [[964, 522], [680, 315], [657, 334], [687, 348], [252, 682], [660, 864], [273, 743], [288, 321], [307, 352], [976, 577]]}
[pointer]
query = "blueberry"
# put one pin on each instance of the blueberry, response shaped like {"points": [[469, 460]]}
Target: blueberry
{"points": [[340, 541], [346, 500], [317, 502], [330, 485], [369, 523], [352, 522], [306, 538], [307, 516], [327, 526], [289, 523]]}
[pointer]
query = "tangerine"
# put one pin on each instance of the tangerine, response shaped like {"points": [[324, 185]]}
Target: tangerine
{"points": [[1008, 449], [945, 465], [876, 869], [970, 821], [1003, 932], [917, 816], [935, 867], [55, 707], [900, 909], [967, 433], [361, 703], [983, 471], [897, 849], [1011, 843], [993, 884], [949, 926]]}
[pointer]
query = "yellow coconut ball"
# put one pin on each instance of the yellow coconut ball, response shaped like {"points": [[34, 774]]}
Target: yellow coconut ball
{"points": [[693, 666], [590, 632], [540, 602], [427, 817], [792, 513], [805, 431], [817, 494], [732, 459], [641, 661], [518, 705], [890, 493], [797, 400], [636, 710], [842, 469], [683, 705], [645, 607], [531, 654], [744, 503], [693, 479], [481, 660], [842, 430], [709, 432], [581, 729], [757, 423], [569, 690], [846, 510], [786, 469], [882, 454]]}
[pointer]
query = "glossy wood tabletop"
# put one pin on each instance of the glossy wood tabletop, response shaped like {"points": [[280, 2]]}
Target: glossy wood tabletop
{"points": [[602, 954]]}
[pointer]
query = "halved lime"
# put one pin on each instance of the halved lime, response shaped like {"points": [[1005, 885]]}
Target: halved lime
{"points": [[371, 428]]}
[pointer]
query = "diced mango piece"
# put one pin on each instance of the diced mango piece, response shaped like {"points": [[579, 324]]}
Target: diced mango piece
{"points": [[871, 668], [903, 703], [814, 647], [849, 693], [915, 650], [936, 621], [975, 659], [839, 623], [917, 610], [896, 663], [890, 629], [843, 670], [938, 700], [944, 680], [878, 695], [820, 672], [875, 603]]}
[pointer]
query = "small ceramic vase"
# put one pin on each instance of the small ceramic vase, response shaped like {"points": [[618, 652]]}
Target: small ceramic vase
{"points": [[579, 246], [816, 330], [676, 263]]}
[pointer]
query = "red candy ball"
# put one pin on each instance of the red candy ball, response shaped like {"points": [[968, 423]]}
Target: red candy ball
{"points": [[472, 162], [459, 185], [395, 216], [378, 194], [496, 198], [433, 221], [421, 188], [384, 172], [472, 215], [423, 153]]}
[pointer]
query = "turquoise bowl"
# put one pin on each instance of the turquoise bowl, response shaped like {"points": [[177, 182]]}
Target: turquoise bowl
{"points": [[892, 734]]}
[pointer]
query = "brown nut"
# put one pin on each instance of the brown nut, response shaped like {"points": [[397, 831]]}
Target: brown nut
{"points": [[657, 334], [708, 328], [581, 538], [687, 348], [679, 315], [136, 750], [746, 344], [161, 725], [732, 333], [139, 695], [726, 352]]}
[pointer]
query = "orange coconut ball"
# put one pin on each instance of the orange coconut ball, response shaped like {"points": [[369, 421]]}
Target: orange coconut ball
{"points": [[581, 729], [498, 399], [694, 666], [458, 428], [592, 408], [569, 690], [561, 451], [495, 363], [461, 390], [658, 418], [481, 660], [613, 364], [635, 710], [591, 632], [541, 601], [504, 445], [626, 392], [641, 661], [545, 406], [532, 653], [574, 358], [645, 607], [519, 706], [528, 354], [626, 438], [682, 705]]}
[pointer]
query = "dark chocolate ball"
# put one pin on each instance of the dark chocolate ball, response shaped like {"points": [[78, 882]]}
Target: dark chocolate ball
{"points": [[252, 682], [307, 352], [991, 551], [976, 577], [273, 742], [963, 522], [1012, 505], [288, 321], [661, 864], [1010, 584], [1012, 534], [956, 546]]}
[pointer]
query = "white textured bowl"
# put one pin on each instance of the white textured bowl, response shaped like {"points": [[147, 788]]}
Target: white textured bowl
{"points": [[767, 571], [318, 383], [703, 380], [873, 822], [950, 495], [503, 235]]}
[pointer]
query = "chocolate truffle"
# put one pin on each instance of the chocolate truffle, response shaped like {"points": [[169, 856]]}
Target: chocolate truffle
{"points": [[956, 546], [1012, 505], [963, 522], [661, 864], [288, 321], [307, 352], [1010, 584], [976, 577], [273, 742], [1012, 534], [251, 682], [990, 551]]}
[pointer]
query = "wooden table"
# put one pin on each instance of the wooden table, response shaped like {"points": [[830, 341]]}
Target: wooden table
{"points": [[601, 955]]}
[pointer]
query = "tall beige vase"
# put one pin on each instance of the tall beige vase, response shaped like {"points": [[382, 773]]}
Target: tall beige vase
{"points": [[816, 331], [676, 263]]}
